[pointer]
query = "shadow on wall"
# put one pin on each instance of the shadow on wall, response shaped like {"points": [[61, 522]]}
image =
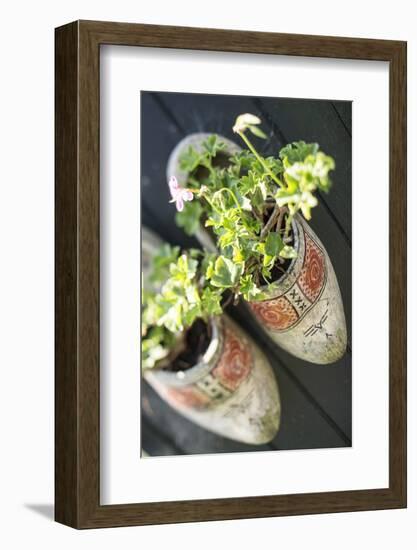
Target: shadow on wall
{"points": [[45, 510]]}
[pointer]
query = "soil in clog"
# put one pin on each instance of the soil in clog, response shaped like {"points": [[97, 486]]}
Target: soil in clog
{"points": [[201, 173], [195, 343]]}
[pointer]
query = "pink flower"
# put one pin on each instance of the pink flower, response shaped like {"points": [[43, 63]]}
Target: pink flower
{"points": [[179, 194]]}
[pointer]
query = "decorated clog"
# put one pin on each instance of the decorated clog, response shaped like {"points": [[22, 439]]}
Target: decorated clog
{"points": [[232, 391], [304, 311]]}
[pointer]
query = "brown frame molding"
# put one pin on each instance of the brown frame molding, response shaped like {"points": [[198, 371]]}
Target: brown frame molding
{"points": [[77, 274]]}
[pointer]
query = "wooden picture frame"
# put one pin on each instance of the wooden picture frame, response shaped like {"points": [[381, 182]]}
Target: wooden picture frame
{"points": [[77, 382]]}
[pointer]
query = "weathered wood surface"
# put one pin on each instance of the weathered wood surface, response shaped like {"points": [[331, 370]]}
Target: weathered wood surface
{"points": [[316, 399]]}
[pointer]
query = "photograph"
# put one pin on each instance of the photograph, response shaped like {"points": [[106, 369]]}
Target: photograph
{"points": [[246, 273], [208, 278]]}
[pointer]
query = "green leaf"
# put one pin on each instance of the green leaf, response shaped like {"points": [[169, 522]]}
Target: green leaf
{"points": [[156, 344], [192, 313], [192, 295], [268, 262], [189, 218], [165, 256], [211, 302], [257, 198], [227, 238], [288, 252], [303, 178], [184, 270], [242, 161], [273, 244], [172, 319], [263, 189], [212, 145], [248, 183], [210, 269], [248, 289], [307, 202], [260, 247], [322, 166], [238, 256], [266, 272], [190, 159], [274, 164], [298, 151], [284, 197], [226, 273]]}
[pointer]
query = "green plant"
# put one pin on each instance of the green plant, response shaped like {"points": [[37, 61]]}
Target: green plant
{"points": [[184, 295], [250, 205]]}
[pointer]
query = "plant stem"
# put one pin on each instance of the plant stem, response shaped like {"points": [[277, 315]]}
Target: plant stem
{"points": [[231, 194], [261, 160], [211, 204], [269, 224], [282, 213], [209, 168], [257, 214], [228, 300], [288, 223]]}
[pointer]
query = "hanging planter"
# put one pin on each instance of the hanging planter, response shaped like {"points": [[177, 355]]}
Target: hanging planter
{"points": [[196, 358], [230, 390], [303, 310], [266, 251]]}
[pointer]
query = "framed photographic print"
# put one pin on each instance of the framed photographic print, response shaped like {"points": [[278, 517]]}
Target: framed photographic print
{"points": [[230, 274]]}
